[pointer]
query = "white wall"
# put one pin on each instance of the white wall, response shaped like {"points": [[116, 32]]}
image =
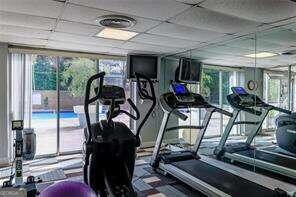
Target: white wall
{"points": [[4, 105], [255, 74]]}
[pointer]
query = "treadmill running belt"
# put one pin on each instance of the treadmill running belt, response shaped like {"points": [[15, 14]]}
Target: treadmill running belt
{"points": [[269, 157], [223, 180]]}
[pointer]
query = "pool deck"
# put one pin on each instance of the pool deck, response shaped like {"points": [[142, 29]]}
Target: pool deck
{"points": [[71, 135]]}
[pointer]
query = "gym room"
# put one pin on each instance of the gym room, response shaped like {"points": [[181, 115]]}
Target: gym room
{"points": [[147, 98]]}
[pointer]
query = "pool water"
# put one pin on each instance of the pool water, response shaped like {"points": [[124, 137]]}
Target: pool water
{"points": [[52, 115]]}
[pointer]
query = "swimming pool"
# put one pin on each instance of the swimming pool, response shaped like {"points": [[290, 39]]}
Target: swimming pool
{"points": [[53, 115]]}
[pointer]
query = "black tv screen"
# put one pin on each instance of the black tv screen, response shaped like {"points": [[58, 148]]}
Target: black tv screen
{"points": [[190, 70], [143, 64]]}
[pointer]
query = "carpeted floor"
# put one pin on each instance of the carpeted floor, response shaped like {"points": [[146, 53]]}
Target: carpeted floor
{"points": [[146, 182]]}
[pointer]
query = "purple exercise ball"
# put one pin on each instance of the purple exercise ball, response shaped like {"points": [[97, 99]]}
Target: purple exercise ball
{"points": [[68, 189]]}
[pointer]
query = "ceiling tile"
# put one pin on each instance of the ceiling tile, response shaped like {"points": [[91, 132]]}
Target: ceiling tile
{"points": [[155, 9], [118, 51], [24, 32], [77, 28], [248, 43], [282, 37], [164, 41], [184, 32], [261, 11], [76, 47], [88, 15], [140, 47], [23, 20], [46, 8], [201, 18], [227, 50], [86, 40], [18, 40]]}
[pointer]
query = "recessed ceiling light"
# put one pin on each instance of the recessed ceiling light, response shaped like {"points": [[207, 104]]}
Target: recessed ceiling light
{"points": [[117, 34], [261, 55]]}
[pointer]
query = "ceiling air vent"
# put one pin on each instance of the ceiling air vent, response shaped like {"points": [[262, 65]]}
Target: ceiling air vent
{"points": [[116, 21]]}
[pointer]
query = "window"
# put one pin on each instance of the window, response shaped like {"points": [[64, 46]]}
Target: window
{"points": [[276, 93], [54, 98]]}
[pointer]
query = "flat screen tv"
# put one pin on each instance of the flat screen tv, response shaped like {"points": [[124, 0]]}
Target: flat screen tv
{"points": [[143, 64], [190, 70]]}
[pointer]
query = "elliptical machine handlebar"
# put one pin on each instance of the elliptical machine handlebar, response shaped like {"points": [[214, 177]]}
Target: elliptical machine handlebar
{"points": [[144, 94], [131, 103], [88, 100]]}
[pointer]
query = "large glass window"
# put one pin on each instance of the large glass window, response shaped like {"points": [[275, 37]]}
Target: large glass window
{"points": [[210, 89], [73, 75], [116, 75], [44, 103], [53, 103], [276, 93]]}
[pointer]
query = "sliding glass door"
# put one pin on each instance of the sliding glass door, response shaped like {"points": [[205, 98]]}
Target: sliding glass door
{"points": [[115, 75], [44, 103], [50, 97], [215, 86], [73, 75]]}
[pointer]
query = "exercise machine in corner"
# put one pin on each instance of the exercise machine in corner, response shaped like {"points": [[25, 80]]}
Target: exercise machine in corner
{"points": [[24, 149], [265, 158]]}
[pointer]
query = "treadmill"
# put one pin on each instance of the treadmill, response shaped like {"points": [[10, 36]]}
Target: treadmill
{"points": [[207, 175], [243, 152]]}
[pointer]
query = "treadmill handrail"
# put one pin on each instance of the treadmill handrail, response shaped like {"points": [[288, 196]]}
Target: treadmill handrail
{"points": [[222, 111], [179, 114], [285, 111], [184, 127]]}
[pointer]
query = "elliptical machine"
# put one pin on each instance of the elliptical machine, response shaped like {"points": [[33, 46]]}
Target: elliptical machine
{"points": [[110, 147]]}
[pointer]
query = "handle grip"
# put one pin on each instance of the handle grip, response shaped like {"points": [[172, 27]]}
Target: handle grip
{"points": [[144, 94], [97, 90], [88, 100], [132, 104]]}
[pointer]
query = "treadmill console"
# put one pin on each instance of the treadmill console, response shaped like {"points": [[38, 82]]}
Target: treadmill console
{"points": [[245, 98], [181, 92]]}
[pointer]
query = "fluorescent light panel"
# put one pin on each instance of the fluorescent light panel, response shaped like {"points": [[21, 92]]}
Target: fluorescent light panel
{"points": [[117, 34], [261, 55]]}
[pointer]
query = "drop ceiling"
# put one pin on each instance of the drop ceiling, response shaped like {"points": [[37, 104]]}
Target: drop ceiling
{"points": [[218, 31]]}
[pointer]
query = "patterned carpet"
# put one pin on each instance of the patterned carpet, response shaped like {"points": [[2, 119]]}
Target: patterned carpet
{"points": [[146, 182]]}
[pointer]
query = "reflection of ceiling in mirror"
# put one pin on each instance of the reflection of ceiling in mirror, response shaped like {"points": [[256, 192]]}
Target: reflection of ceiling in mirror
{"points": [[279, 42], [275, 35]]}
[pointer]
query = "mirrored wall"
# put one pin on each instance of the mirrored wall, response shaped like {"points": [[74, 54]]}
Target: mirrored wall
{"points": [[263, 62]]}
